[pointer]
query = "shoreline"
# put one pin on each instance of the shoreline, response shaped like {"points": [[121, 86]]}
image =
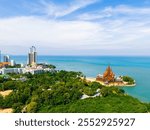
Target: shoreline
{"points": [[91, 79]]}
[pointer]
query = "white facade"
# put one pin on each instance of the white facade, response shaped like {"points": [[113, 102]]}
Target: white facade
{"points": [[22, 65], [11, 70], [37, 70], [118, 79], [33, 71], [12, 63], [100, 75]]}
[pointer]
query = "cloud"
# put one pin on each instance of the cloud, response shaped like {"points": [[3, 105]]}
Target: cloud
{"points": [[118, 37], [24, 31], [120, 30], [54, 10], [120, 11]]}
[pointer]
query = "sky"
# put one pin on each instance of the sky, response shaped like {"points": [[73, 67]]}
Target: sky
{"points": [[75, 27]]}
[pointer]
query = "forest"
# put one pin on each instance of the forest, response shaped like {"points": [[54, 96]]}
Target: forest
{"points": [[62, 92]]}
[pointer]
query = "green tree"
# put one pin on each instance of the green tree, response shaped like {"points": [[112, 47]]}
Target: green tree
{"points": [[1, 79], [1, 101], [106, 91], [89, 91], [9, 85], [32, 107], [128, 79], [17, 107]]}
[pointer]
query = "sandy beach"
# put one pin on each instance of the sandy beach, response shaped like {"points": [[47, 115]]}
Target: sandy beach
{"points": [[91, 79]]}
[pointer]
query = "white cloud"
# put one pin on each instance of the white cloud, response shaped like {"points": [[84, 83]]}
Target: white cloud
{"points": [[121, 30], [55, 10], [75, 37], [24, 31], [118, 11]]}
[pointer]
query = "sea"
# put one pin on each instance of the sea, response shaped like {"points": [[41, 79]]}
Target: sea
{"points": [[137, 67]]}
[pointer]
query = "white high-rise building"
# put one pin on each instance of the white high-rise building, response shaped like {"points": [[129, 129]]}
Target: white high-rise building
{"points": [[12, 63], [32, 56]]}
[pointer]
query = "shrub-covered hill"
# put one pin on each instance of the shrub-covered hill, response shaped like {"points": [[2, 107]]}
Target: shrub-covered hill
{"points": [[62, 91], [109, 104]]}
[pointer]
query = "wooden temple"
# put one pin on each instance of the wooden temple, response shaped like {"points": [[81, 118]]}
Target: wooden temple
{"points": [[108, 76]]}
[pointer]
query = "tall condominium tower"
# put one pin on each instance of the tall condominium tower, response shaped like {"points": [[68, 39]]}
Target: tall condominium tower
{"points": [[7, 58], [32, 56]]}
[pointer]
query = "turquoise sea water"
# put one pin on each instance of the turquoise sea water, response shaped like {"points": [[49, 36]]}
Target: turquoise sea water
{"points": [[136, 67]]}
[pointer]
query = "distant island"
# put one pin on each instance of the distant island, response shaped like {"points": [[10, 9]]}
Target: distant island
{"points": [[41, 88], [109, 79]]}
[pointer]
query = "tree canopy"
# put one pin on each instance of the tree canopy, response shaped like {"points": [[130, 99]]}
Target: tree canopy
{"points": [[61, 91]]}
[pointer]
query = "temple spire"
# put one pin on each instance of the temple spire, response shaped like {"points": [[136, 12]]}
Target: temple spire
{"points": [[108, 75]]}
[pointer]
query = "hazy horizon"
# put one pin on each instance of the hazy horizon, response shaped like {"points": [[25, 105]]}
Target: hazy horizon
{"points": [[26, 55]]}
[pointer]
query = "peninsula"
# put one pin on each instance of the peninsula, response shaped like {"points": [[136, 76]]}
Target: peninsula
{"points": [[109, 79]]}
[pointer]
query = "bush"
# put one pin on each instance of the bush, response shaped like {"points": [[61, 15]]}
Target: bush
{"points": [[128, 79], [1, 101], [32, 107], [9, 85], [106, 91], [109, 104], [1, 79], [95, 85], [17, 107], [89, 91]]}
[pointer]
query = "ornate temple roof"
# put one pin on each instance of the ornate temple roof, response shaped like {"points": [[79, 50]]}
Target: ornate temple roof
{"points": [[108, 75]]}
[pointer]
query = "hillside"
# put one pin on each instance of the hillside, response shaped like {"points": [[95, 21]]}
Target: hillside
{"points": [[62, 91]]}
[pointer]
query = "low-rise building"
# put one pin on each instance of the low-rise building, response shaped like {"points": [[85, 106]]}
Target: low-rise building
{"points": [[33, 71], [11, 70], [27, 69]]}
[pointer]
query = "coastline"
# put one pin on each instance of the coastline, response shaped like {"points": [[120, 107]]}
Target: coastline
{"points": [[124, 84]]}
